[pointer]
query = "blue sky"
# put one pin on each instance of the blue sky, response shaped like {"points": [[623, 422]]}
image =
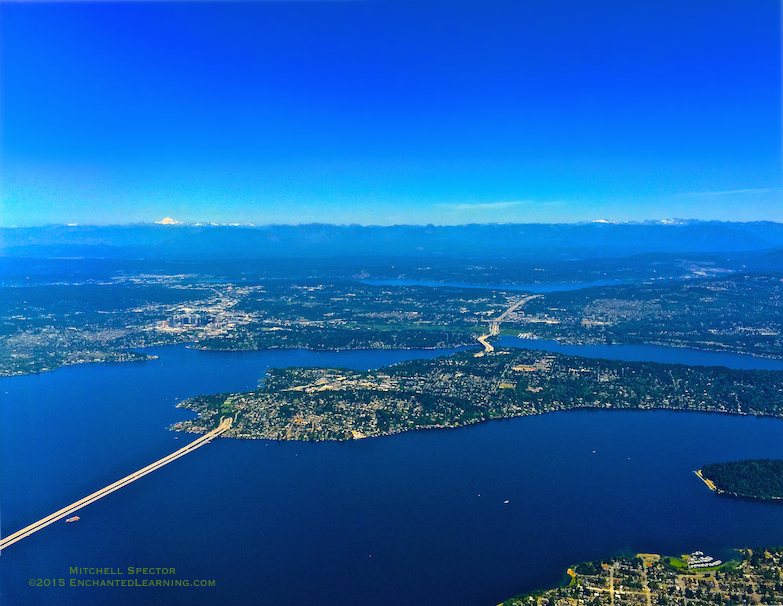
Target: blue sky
{"points": [[390, 112]]}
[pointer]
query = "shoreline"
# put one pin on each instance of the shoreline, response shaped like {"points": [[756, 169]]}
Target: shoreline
{"points": [[466, 424], [194, 345], [583, 583], [334, 422], [708, 482], [711, 485]]}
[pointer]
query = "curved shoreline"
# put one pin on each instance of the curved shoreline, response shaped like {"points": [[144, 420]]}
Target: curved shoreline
{"points": [[470, 342]]}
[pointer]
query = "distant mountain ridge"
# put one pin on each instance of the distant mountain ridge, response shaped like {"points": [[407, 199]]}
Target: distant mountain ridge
{"points": [[498, 241]]}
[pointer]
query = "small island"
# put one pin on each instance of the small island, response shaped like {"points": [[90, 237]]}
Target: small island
{"points": [[749, 479]]}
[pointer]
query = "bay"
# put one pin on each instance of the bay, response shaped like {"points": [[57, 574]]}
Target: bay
{"points": [[649, 353], [419, 517], [538, 288]]}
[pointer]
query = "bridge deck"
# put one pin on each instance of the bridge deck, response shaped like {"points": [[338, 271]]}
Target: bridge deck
{"points": [[225, 424]]}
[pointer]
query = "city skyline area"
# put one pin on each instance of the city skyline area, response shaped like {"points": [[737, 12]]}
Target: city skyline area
{"points": [[379, 113]]}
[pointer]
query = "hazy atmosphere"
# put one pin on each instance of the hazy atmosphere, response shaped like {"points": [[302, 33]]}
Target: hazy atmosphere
{"points": [[375, 302]]}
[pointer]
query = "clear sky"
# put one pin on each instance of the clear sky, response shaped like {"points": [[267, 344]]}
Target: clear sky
{"points": [[390, 112]]}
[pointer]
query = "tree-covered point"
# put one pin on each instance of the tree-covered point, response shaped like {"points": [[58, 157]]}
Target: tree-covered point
{"points": [[751, 478], [466, 388]]}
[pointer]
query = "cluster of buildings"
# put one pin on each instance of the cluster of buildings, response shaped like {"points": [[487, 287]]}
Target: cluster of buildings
{"points": [[187, 321]]}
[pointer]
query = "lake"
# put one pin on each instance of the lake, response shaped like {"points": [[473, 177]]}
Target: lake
{"points": [[648, 353], [419, 517], [538, 288]]}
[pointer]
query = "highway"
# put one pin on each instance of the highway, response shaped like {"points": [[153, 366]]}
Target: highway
{"points": [[487, 347], [494, 325], [225, 424]]}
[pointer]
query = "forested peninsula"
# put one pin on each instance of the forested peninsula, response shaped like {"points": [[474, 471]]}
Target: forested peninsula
{"points": [[469, 387], [751, 478]]}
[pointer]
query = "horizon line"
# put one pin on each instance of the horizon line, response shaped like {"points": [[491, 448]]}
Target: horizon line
{"points": [[672, 222]]}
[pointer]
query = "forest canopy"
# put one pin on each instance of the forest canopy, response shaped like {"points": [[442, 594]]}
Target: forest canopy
{"points": [[754, 478]]}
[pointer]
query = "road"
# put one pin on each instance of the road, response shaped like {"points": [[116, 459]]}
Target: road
{"points": [[225, 424], [494, 325], [611, 584]]}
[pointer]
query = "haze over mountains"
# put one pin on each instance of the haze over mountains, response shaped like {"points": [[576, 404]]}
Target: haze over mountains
{"points": [[495, 241]]}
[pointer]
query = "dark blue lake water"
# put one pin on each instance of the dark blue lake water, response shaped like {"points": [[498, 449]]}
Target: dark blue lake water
{"points": [[556, 287], [409, 519], [649, 353]]}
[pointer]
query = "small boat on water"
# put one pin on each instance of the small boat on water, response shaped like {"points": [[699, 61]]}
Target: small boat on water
{"points": [[73, 519]]}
